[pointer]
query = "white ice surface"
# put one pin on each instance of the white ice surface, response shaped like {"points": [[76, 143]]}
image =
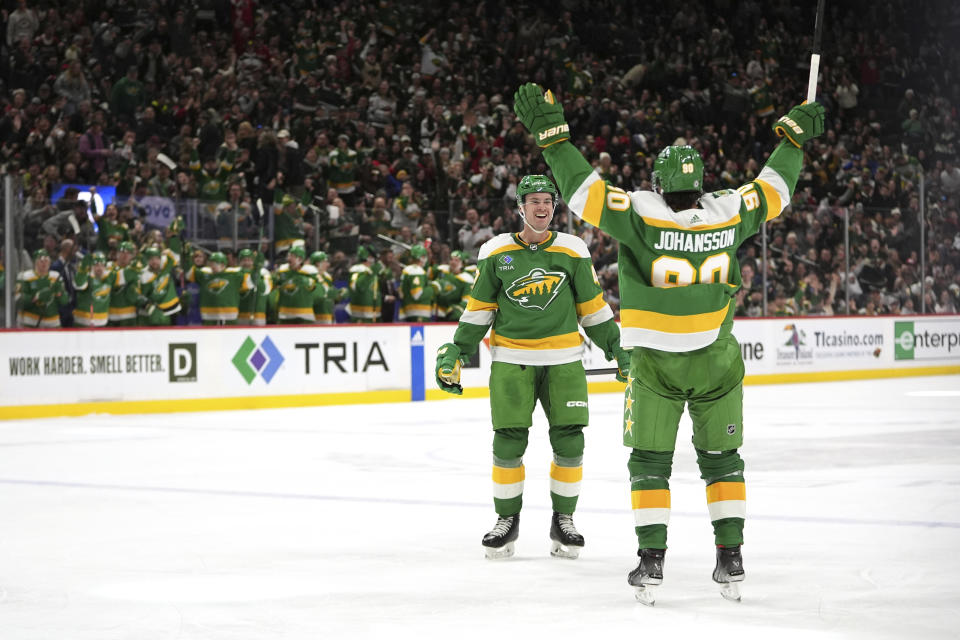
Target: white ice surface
{"points": [[365, 522]]}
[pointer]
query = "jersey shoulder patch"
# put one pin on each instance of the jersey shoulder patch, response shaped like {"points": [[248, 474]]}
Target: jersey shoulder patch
{"points": [[498, 244]]}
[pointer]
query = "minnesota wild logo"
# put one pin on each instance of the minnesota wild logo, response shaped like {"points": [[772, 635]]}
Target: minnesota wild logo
{"points": [[537, 289]]}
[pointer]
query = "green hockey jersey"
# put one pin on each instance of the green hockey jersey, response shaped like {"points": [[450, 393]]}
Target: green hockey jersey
{"points": [[297, 292], [535, 296], [125, 293], [678, 270], [365, 301], [253, 301], [454, 293], [93, 298], [325, 302], [418, 294], [39, 299], [160, 294], [219, 292]]}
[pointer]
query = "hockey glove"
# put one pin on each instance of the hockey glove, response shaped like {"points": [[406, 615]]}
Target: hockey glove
{"points": [[623, 365], [86, 263], [448, 368], [541, 114], [803, 122], [43, 297]]}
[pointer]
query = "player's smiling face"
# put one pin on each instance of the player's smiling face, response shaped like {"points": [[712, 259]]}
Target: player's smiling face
{"points": [[538, 211]]}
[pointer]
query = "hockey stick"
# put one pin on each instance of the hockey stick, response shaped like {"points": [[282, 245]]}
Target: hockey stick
{"points": [[815, 55], [600, 372], [392, 241]]}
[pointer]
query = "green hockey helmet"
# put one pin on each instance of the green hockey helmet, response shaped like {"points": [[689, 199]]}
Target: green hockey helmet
{"points": [[218, 256], [151, 252], [460, 255], [318, 256], [245, 253], [299, 252], [364, 252], [418, 251], [41, 253], [678, 169], [535, 184], [127, 246], [99, 258]]}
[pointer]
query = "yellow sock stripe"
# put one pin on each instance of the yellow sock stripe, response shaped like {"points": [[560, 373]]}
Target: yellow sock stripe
{"points": [[727, 500], [650, 506], [565, 481], [508, 482]]}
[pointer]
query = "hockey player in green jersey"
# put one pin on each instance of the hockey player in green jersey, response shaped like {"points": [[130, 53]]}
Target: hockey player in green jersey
{"points": [[297, 285], [125, 292], [418, 292], [678, 280], [326, 301], [365, 301], [220, 289], [253, 301], [93, 283], [536, 288], [40, 294], [160, 301], [455, 285]]}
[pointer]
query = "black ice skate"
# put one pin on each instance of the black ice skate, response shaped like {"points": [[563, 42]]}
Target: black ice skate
{"points": [[498, 543], [566, 542], [729, 571], [647, 575]]}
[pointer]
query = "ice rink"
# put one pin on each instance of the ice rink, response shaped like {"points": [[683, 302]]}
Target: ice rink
{"points": [[365, 522]]}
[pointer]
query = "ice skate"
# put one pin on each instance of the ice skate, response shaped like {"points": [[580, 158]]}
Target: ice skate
{"points": [[566, 542], [728, 572], [499, 542], [647, 575]]}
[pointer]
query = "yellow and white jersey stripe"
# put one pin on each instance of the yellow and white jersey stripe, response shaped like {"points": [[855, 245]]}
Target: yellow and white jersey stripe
{"points": [[537, 351]]}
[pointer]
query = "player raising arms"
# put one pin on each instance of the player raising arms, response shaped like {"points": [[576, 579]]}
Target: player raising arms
{"points": [[678, 277]]}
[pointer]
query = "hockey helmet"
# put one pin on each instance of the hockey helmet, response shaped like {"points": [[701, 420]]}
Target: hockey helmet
{"points": [[99, 258], [151, 252], [460, 255], [299, 252], [678, 168], [127, 246], [364, 252], [318, 256], [41, 253], [418, 251], [245, 253], [218, 256], [535, 184]]}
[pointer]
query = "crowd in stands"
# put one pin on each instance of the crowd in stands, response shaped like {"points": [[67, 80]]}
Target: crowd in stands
{"points": [[368, 131]]}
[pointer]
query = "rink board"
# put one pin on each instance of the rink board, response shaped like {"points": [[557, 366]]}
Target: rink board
{"points": [[76, 372]]}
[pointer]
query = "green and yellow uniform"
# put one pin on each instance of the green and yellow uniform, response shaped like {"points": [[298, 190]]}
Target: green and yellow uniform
{"points": [[418, 294], [454, 293], [324, 306], [93, 294], [365, 300], [678, 280], [124, 296], [160, 300], [534, 299], [39, 299], [219, 293], [298, 290]]}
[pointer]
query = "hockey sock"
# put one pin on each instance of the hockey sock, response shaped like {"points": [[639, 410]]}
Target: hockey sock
{"points": [[508, 471], [726, 494], [566, 470], [650, 496]]}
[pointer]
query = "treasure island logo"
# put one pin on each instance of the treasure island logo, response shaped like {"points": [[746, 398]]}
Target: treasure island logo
{"points": [[537, 289], [794, 348]]}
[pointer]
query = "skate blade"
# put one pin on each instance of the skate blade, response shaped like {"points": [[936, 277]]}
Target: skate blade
{"points": [[500, 553], [646, 594], [730, 591], [558, 550]]}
